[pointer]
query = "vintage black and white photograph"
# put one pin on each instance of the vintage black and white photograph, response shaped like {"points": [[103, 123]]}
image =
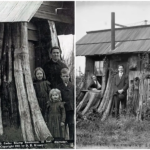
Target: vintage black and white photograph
{"points": [[37, 74], [112, 74]]}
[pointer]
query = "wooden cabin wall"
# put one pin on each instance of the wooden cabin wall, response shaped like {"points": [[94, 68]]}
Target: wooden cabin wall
{"points": [[43, 45], [39, 40], [49, 11]]}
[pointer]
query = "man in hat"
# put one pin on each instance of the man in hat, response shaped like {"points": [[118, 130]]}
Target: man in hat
{"points": [[120, 90]]}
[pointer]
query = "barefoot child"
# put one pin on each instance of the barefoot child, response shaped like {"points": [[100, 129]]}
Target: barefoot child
{"points": [[42, 88], [56, 114]]}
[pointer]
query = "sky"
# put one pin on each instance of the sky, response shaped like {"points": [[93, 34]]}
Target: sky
{"points": [[96, 15]]}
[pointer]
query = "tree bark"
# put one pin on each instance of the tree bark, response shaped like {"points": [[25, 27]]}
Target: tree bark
{"points": [[1, 44], [53, 33], [40, 127], [105, 105], [24, 111], [1, 124], [141, 96], [93, 97], [83, 103], [104, 78], [110, 98], [89, 71]]}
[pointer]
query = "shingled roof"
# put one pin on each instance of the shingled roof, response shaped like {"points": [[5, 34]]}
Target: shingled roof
{"points": [[18, 11], [130, 39]]}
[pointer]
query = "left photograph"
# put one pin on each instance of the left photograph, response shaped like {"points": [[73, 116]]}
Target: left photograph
{"points": [[37, 74]]}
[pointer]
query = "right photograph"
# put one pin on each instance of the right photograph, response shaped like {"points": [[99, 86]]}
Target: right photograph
{"points": [[112, 74]]}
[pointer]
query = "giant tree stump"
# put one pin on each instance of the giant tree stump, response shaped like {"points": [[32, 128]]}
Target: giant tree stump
{"points": [[1, 39], [28, 104], [94, 96], [105, 105], [40, 127], [25, 118], [90, 99], [83, 102]]}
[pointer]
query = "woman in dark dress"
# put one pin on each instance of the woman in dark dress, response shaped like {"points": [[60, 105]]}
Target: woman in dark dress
{"points": [[53, 67], [42, 89]]}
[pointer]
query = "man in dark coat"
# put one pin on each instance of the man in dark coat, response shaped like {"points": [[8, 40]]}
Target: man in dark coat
{"points": [[94, 84], [53, 67], [67, 92], [121, 85]]}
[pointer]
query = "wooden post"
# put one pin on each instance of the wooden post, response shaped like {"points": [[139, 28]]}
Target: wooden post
{"points": [[9, 55], [40, 127], [89, 70], [112, 31], [24, 111], [104, 78], [105, 105], [1, 43], [53, 33]]}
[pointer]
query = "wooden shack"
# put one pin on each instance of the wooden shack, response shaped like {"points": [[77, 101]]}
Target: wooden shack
{"points": [[131, 49], [28, 30]]}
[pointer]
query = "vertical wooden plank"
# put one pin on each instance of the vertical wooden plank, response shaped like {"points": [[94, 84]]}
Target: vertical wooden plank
{"points": [[104, 77], [53, 33], [1, 43], [40, 127], [89, 70], [9, 56], [24, 111]]}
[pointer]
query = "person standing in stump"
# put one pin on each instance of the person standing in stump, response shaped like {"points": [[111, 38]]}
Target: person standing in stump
{"points": [[42, 89], [67, 91], [53, 67], [56, 115], [120, 90]]}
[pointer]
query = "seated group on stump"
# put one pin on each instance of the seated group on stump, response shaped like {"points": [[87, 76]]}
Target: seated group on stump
{"points": [[121, 85], [95, 85], [55, 95]]}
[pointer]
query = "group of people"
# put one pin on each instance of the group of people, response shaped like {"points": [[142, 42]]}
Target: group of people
{"points": [[55, 95], [121, 85]]}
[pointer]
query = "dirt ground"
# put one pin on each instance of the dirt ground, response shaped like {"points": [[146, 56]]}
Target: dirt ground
{"points": [[13, 134], [123, 133]]}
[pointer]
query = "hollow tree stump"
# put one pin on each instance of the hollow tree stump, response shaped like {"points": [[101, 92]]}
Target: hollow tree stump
{"points": [[105, 105], [25, 118], [40, 127]]}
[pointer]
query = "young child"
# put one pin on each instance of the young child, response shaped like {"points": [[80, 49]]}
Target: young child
{"points": [[67, 91], [56, 114], [42, 88]]}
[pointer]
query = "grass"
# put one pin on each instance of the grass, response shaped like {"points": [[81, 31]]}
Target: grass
{"points": [[11, 134], [112, 133]]}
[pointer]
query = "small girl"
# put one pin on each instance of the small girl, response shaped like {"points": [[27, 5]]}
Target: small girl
{"points": [[42, 88], [56, 114]]}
